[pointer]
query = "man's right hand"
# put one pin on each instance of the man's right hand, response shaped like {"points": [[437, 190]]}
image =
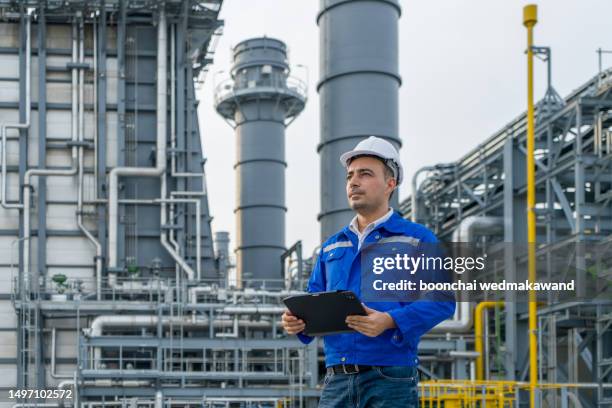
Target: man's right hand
{"points": [[291, 323]]}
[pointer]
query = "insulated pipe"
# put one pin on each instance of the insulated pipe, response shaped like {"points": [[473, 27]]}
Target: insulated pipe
{"points": [[53, 352], [358, 92], [173, 171], [460, 323], [173, 98], [135, 321], [46, 172], [198, 229], [81, 132], [222, 254], [24, 125], [198, 225], [159, 399], [157, 171], [474, 225], [65, 384], [414, 196], [160, 162], [194, 291], [95, 104], [465, 232], [233, 333], [254, 309], [479, 334], [171, 237], [172, 200]]}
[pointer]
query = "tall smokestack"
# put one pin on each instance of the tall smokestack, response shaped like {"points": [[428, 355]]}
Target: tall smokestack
{"points": [[358, 91], [259, 102]]}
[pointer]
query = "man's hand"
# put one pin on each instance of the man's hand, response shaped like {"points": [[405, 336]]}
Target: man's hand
{"points": [[371, 325], [291, 323]]}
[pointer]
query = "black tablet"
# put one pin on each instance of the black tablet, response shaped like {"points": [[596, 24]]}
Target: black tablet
{"points": [[325, 312]]}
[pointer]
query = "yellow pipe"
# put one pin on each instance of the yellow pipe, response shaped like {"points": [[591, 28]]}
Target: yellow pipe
{"points": [[530, 18], [479, 334]]}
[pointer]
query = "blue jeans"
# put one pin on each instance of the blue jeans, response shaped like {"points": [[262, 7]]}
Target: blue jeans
{"points": [[381, 387]]}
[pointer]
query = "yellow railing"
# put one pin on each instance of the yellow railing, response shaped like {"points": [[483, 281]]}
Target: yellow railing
{"points": [[467, 394]]}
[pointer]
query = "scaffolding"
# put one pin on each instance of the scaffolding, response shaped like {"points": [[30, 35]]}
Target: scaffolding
{"points": [[574, 218]]}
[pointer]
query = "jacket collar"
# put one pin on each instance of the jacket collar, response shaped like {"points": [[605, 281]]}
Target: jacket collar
{"points": [[396, 224]]}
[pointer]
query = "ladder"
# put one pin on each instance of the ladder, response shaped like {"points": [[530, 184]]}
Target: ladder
{"points": [[604, 357], [28, 331]]}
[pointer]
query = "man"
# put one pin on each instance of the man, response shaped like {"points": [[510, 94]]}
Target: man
{"points": [[375, 366]]}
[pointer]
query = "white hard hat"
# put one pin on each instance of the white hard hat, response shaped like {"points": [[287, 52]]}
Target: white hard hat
{"points": [[376, 146]]}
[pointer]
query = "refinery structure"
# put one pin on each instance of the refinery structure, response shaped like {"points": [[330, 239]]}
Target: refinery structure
{"points": [[116, 290]]}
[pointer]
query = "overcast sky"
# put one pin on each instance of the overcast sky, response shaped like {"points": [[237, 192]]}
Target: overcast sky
{"points": [[464, 77]]}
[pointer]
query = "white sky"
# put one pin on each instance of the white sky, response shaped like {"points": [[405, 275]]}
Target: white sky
{"points": [[464, 77]]}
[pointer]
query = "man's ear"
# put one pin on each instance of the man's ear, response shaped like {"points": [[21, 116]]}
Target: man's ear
{"points": [[394, 182]]}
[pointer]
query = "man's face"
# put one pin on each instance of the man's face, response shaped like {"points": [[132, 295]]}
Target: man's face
{"points": [[366, 186]]}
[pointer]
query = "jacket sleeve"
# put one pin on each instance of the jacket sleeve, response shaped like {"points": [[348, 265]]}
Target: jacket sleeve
{"points": [[316, 283], [417, 318]]}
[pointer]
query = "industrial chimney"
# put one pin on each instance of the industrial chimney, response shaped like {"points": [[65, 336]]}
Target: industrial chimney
{"points": [[358, 91], [259, 101]]}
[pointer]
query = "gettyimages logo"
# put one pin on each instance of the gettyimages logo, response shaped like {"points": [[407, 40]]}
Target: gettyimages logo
{"points": [[408, 271], [421, 262]]}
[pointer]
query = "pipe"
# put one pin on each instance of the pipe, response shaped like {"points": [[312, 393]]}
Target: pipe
{"points": [[465, 232], [95, 104], [172, 238], [136, 321], [259, 309], [414, 195], [173, 99], [477, 225], [160, 163], [463, 354], [574, 398], [65, 384], [222, 255], [136, 286], [159, 399], [81, 138], [53, 365], [460, 323], [234, 333], [529, 21], [173, 171], [161, 129], [47, 172], [479, 334], [157, 171], [198, 228], [194, 291], [24, 125]]}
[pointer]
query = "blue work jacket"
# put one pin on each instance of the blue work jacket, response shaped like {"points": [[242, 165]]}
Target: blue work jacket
{"points": [[338, 268]]}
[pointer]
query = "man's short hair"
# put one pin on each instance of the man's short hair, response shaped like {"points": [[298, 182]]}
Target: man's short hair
{"points": [[388, 171]]}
